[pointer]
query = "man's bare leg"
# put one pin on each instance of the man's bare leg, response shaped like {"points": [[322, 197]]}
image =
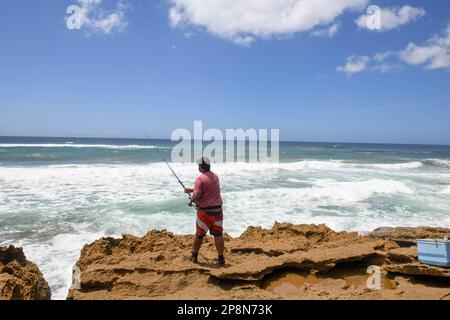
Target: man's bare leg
{"points": [[196, 248], [220, 248], [219, 245], [197, 244]]}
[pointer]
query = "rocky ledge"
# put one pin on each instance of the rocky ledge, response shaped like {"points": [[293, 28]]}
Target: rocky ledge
{"points": [[285, 262], [20, 279], [407, 237], [404, 261]]}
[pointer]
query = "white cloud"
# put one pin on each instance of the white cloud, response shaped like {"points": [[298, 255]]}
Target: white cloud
{"points": [[329, 32], [434, 54], [243, 21], [189, 35], [392, 18], [381, 56], [385, 67], [354, 65], [95, 19]]}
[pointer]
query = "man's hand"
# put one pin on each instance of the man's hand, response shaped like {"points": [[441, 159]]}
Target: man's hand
{"points": [[193, 196], [191, 201], [190, 192]]}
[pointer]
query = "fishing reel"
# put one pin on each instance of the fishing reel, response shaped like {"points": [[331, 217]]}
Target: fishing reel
{"points": [[190, 202]]}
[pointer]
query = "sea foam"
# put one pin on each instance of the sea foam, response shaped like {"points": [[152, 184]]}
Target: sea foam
{"points": [[443, 163], [73, 145], [53, 210]]}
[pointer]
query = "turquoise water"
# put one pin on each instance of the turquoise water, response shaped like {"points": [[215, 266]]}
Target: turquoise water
{"points": [[58, 194]]}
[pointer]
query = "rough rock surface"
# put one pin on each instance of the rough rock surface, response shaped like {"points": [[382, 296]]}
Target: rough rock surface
{"points": [[333, 266], [408, 236], [405, 261], [20, 279]]}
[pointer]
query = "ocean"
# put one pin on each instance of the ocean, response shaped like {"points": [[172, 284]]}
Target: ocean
{"points": [[57, 194]]}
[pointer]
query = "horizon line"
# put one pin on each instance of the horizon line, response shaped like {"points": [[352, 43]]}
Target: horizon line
{"points": [[281, 141]]}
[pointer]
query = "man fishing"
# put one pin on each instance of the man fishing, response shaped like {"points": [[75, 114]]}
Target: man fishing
{"points": [[207, 198]]}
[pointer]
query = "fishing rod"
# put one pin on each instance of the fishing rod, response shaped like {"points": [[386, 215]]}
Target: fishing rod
{"points": [[173, 171], [175, 175], [167, 163]]}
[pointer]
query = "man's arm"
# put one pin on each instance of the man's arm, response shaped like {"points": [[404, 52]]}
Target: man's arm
{"points": [[196, 192], [196, 196], [192, 196]]}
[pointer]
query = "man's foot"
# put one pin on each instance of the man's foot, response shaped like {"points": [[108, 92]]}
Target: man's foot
{"points": [[193, 258], [221, 261]]}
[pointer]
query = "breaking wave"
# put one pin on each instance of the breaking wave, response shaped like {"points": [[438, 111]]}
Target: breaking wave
{"points": [[52, 210], [441, 163], [398, 166], [79, 146]]}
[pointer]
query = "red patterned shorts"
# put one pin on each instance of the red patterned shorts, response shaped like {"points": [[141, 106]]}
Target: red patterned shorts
{"points": [[209, 222]]}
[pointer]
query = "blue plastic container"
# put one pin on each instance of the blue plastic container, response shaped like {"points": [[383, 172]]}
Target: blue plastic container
{"points": [[434, 252]]}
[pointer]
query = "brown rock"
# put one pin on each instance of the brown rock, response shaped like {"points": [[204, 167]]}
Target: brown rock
{"points": [[155, 266], [20, 279], [284, 238], [405, 261], [408, 236], [318, 259]]}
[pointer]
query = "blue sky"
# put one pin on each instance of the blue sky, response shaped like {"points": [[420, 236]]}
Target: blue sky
{"points": [[159, 65]]}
